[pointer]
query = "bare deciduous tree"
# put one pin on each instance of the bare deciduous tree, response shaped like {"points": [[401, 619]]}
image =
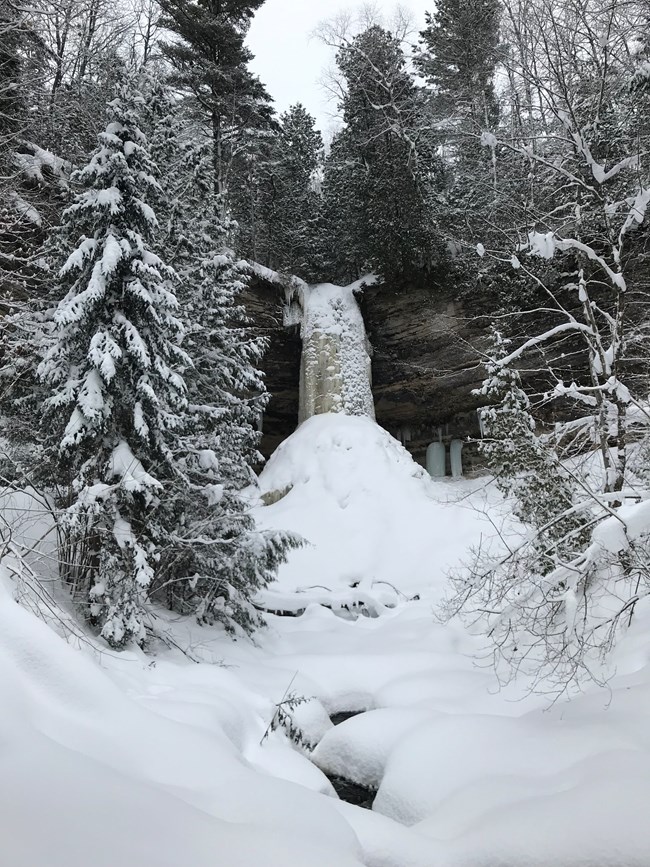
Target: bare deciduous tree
{"points": [[556, 598]]}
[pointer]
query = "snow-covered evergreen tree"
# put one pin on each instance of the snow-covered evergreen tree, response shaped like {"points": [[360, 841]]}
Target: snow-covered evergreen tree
{"points": [[527, 596], [176, 155], [216, 558], [115, 370], [251, 192], [20, 220], [274, 194], [526, 467], [458, 54], [227, 397], [210, 61], [295, 204], [380, 171], [457, 57]]}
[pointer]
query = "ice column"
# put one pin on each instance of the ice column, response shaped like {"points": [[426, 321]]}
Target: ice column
{"points": [[456, 458], [436, 460], [335, 370]]}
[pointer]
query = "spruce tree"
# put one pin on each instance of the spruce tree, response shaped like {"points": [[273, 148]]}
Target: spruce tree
{"points": [[274, 197], [169, 132], [295, 205], [20, 220], [381, 171], [115, 372], [527, 468], [210, 63], [251, 192], [458, 56], [344, 248], [224, 557], [216, 559]]}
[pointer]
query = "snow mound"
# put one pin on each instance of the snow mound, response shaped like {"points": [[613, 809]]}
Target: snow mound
{"points": [[483, 762], [373, 518], [347, 453], [358, 748], [595, 821]]}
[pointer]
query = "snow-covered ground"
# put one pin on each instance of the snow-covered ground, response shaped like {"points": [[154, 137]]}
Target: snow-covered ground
{"points": [[161, 760]]}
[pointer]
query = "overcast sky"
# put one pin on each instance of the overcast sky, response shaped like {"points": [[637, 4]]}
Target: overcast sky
{"points": [[290, 60]]}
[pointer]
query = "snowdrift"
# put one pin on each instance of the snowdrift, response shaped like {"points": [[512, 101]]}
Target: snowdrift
{"points": [[90, 775]]}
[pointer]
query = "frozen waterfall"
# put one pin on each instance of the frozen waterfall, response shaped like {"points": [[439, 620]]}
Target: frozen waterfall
{"points": [[335, 370]]}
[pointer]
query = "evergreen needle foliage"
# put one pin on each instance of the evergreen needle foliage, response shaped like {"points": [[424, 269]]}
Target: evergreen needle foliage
{"points": [[115, 371], [150, 443]]}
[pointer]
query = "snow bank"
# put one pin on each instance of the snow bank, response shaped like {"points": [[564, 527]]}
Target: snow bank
{"points": [[86, 769], [486, 776], [453, 770], [597, 821]]}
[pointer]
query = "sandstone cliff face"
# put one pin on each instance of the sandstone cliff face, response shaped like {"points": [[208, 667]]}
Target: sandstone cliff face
{"points": [[264, 303], [425, 363]]}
